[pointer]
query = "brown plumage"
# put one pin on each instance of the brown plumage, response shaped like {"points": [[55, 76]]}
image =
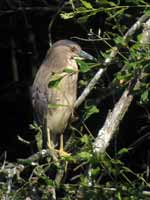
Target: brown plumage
{"points": [[53, 105]]}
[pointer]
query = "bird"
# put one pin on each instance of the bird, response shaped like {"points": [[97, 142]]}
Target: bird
{"points": [[54, 90]]}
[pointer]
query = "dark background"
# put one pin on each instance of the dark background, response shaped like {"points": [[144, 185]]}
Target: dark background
{"points": [[23, 44]]}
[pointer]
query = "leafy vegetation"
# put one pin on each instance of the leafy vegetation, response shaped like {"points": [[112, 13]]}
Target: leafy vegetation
{"points": [[85, 174]]}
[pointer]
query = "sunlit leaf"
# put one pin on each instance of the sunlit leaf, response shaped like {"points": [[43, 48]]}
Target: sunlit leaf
{"points": [[90, 110], [55, 80], [122, 151], [84, 67], [69, 70], [86, 4], [85, 139], [65, 15], [54, 83], [120, 40], [84, 155], [95, 171]]}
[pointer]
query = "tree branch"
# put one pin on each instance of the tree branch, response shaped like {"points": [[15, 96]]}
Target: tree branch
{"points": [[107, 61], [115, 117], [112, 122]]}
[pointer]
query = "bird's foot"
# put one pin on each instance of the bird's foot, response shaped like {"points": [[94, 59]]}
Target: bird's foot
{"points": [[63, 153]]}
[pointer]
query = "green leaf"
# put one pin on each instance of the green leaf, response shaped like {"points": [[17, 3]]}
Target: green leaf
{"points": [[122, 151], [86, 4], [55, 80], [147, 12], [105, 2], [84, 67], [90, 110], [144, 96], [67, 15], [85, 139], [54, 83], [95, 171], [69, 70], [48, 181], [84, 19], [84, 155], [120, 41]]}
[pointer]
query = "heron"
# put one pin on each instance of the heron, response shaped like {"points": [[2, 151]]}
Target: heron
{"points": [[54, 90]]}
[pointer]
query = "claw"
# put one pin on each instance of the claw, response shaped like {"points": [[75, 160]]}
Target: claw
{"points": [[63, 153]]}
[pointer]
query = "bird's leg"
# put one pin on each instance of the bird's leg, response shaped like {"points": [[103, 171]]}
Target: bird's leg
{"points": [[61, 142], [62, 152], [49, 139]]}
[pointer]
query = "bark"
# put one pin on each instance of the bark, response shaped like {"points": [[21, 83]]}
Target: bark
{"points": [[112, 122], [114, 117]]}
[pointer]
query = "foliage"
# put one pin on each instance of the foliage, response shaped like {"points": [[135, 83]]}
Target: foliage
{"points": [[93, 181], [83, 174]]}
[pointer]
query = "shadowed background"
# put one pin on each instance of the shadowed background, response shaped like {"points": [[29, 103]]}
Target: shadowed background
{"points": [[23, 44]]}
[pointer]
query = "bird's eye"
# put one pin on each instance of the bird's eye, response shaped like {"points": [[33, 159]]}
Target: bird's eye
{"points": [[73, 48]]}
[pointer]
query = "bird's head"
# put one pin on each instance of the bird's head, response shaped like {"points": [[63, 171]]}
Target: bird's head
{"points": [[71, 49]]}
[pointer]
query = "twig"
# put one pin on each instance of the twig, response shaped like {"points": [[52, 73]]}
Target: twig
{"points": [[37, 156], [107, 61], [89, 39]]}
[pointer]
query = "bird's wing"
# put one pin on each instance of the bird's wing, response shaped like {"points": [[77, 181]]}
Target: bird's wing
{"points": [[39, 102]]}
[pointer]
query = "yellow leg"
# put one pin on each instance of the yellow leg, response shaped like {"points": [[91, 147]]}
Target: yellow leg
{"points": [[61, 142], [62, 152], [49, 139]]}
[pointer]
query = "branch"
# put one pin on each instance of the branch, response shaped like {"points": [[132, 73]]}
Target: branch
{"points": [[136, 26], [107, 61], [35, 158], [112, 122], [115, 117], [95, 79]]}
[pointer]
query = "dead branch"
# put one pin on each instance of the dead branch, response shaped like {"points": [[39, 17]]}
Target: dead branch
{"points": [[112, 122], [114, 117]]}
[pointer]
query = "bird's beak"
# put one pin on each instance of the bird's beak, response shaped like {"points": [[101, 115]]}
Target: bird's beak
{"points": [[85, 55]]}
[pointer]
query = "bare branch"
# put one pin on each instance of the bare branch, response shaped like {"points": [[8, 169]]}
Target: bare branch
{"points": [[136, 26], [145, 40], [115, 117], [112, 122]]}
